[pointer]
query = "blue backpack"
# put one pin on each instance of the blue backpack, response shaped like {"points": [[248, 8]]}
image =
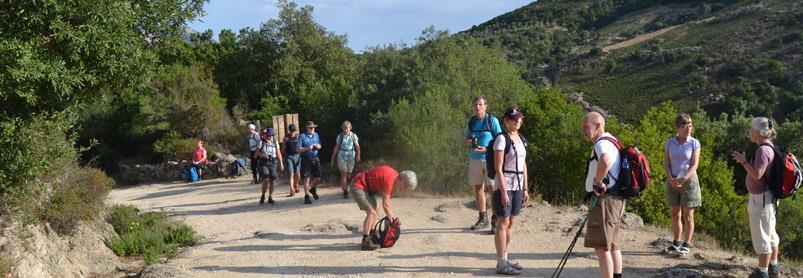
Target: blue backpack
{"points": [[192, 174]]}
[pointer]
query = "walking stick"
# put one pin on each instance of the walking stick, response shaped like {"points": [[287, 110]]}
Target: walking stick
{"points": [[565, 258]]}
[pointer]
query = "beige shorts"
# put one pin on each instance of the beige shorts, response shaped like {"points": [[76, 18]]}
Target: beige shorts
{"points": [[365, 200], [688, 195], [345, 164], [603, 223], [476, 173], [761, 212]]}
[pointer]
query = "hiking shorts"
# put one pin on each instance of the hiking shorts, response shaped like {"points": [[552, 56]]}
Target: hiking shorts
{"points": [[514, 208], [310, 167], [345, 164], [268, 168], [477, 174], [761, 212], [603, 223], [364, 199], [687, 196], [293, 164]]}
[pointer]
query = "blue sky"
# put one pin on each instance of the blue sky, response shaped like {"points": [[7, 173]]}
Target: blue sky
{"points": [[365, 22]]}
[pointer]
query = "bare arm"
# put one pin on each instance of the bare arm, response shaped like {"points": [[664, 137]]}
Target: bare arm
{"points": [[334, 153], [695, 161], [668, 165], [604, 166], [499, 158], [386, 206], [357, 148]]}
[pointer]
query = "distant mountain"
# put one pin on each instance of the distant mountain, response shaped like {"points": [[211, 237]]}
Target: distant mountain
{"points": [[627, 55]]}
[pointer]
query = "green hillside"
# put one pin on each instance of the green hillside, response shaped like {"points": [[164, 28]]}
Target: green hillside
{"points": [[624, 56]]}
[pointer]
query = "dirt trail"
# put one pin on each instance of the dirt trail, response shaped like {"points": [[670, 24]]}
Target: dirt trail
{"points": [[242, 239], [638, 39]]}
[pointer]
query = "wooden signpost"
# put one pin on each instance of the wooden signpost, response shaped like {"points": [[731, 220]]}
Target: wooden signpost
{"points": [[281, 124]]}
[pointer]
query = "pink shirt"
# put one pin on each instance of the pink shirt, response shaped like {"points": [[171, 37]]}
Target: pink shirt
{"points": [[198, 154], [763, 159]]}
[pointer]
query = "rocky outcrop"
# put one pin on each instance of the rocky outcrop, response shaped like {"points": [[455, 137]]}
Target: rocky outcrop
{"points": [[173, 170], [39, 252]]}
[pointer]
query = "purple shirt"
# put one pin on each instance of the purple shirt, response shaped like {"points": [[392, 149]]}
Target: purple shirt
{"points": [[763, 158]]}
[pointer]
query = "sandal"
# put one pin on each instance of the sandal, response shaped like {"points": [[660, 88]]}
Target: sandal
{"points": [[507, 269], [517, 266]]}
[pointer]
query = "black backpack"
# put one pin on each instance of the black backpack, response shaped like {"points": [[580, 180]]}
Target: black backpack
{"points": [[490, 167]]}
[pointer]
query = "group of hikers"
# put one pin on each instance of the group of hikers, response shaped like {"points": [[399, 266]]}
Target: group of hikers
{"points": [[683, 191], [499, 148]]}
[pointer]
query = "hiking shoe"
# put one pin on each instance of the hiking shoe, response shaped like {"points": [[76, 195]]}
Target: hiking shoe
{"points": [[775, 270], [314, 191], [759, 274], [684, 250], [517, 266], [672, 249], [307, 201], [254, 181], [482, 223], [368, 245], [270, 201], [345, 194], [262, 200], [507, 269]]}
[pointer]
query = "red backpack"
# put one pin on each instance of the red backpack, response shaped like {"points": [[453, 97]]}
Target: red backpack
{"points": [[785, 177], [634, 173], [386, 232]]}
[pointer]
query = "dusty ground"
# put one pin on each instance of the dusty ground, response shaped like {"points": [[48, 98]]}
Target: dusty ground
{"points": [[242, 239]]}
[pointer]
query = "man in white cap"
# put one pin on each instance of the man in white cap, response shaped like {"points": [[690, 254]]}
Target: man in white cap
{"points": [[254, 142]]}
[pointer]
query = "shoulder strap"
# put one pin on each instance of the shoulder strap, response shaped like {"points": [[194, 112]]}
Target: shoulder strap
{"points": [[488, 122], [342, 137]]}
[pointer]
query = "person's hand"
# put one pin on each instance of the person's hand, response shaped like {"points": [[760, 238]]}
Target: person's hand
{"points": [[600, 189], [480, 149], [468, 142], [739, 157], [281, 167], [358, 158], [526, 197], [505, 199]]}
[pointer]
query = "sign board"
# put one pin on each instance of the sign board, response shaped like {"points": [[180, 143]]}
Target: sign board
{"points": [[281, 124]]}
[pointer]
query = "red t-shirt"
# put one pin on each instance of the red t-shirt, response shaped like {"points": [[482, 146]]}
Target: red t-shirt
{"points": [[199, 153], [380, 178]]}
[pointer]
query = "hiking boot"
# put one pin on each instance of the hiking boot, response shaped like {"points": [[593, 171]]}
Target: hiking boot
{"points": [[672, 249], [517, 266], [368, 244], [270, 201], [507, 269], [307, 201], [759, 274], [482, 223], [254, 181], [684, 249], [314, 191], [345, 194], [262, 200], [775, 270]]}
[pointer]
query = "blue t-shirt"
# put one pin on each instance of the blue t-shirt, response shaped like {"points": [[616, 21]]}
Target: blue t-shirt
{"points": [[347, 150], [480, 130], [680, 155], [305, 141]]}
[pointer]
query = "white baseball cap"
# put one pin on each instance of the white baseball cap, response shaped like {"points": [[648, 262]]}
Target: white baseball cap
{"points": [[252, 126]]}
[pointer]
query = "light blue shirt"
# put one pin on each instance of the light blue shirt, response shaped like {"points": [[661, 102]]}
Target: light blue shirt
{"points": [[347, 145], [480, 130], [680, 155]]}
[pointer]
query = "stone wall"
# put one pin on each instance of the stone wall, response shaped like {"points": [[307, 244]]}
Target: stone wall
{"points": [[174, 170]]}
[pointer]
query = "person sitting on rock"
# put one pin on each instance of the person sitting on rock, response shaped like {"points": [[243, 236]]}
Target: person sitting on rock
{"points": [[379, 180], [199, 158]]}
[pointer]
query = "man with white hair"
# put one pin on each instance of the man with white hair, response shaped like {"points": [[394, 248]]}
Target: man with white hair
{"points": [[379, 180], [605, 216], [254, 143]]}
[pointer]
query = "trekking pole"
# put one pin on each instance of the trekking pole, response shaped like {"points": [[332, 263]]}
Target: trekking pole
{"points": [[565, 258]]}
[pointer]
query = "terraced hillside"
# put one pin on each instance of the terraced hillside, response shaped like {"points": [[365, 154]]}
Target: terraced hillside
{"points": [[625, 56]]}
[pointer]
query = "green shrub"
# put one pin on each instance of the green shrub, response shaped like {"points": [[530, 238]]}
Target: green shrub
{"points": [[6, 266], [150, 235], [77, 197]]}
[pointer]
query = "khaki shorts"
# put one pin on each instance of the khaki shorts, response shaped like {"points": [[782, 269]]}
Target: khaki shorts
{"points": [[476, 173], [761, 212], [345, 164], [687, 196], [365, 200], [603, 223]]}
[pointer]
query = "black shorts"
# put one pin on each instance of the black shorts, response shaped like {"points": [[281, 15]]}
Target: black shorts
{"points": [[516, 198], [267, 168], [310, 167]]}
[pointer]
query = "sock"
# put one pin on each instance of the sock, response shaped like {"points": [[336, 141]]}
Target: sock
{"points": [[617, 275], [774, 262], [763, 269], [504, 256], [500, 262], [364, 237], [675, 242]]}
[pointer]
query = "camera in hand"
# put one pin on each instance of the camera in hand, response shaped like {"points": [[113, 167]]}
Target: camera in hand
{"points": [[474, 142], [314, 147]]}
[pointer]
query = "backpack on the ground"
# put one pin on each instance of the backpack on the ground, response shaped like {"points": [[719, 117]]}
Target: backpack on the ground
{"points": [[192, 174], [386, 232], [784, 178], [490, 167], [634, 171]]}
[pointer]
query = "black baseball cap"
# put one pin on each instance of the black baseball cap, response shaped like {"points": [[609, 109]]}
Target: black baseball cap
{"points": [[513, 113]]}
